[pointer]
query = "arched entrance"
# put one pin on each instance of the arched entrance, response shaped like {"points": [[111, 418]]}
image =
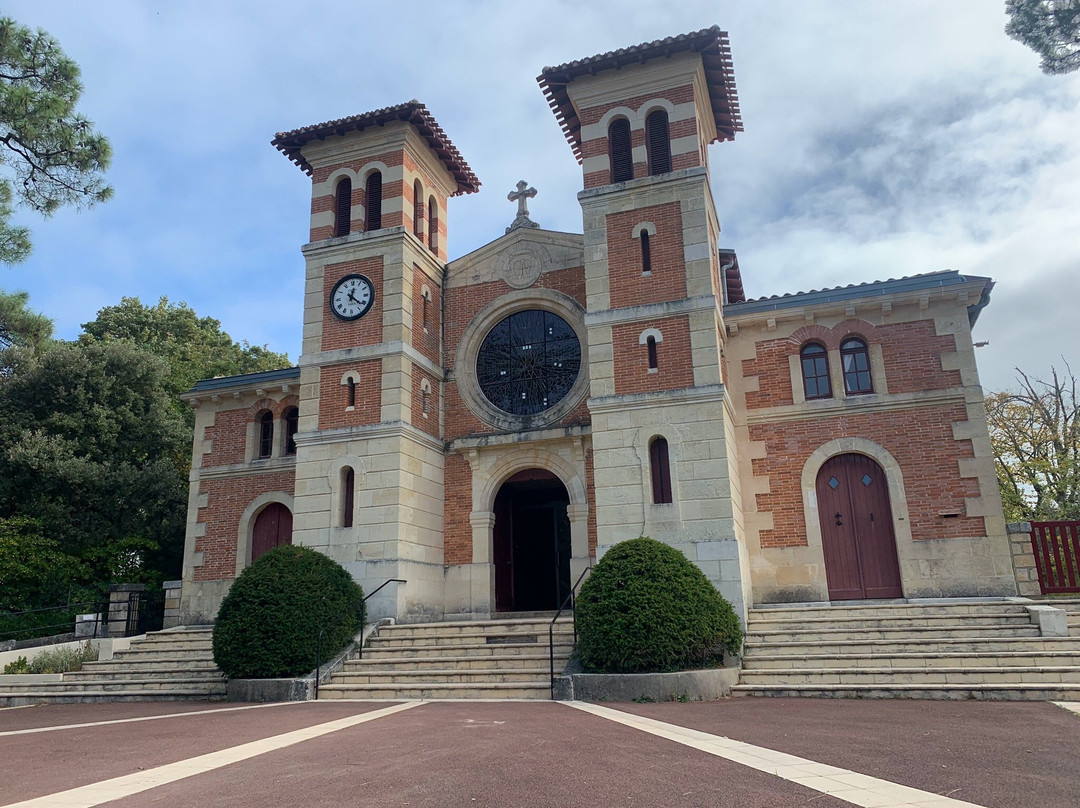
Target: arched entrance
{"points": [[531, 543], [857, 529], [273, 526]]}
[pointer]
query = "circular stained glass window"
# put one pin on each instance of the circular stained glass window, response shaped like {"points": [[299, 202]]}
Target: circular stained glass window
{"points": [[528, 362]]}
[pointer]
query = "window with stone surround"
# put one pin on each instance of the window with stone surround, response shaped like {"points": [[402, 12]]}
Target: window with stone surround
{"points": [[650, 350], [660, 471], [815, 371], [373, 201], [658, 142], [855, 360], [348, 486], [291, 417], [266, 434], [418, 209], [342, 207], [620, 151]]}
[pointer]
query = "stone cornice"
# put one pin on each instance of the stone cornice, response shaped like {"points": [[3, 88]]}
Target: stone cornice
{"points": [[638, 401], [534, 436], [386, 429], [379, 351], [651, 311], [856, 405]]}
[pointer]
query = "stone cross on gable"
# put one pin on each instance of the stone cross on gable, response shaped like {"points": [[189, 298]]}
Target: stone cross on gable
{"points": [[521, 195]]}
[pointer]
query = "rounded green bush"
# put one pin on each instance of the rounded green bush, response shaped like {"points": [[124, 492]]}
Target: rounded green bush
{"points": [[269, 622], [646, 607]]}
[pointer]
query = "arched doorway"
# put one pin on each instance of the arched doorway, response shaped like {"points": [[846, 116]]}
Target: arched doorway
{"points": [[857, 529], [531, 543], [273, 526]]}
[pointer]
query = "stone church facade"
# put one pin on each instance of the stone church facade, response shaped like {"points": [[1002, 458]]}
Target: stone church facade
{"points": [[486, 428]]}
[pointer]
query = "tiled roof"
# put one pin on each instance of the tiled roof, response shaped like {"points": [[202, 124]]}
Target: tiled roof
{"points": [[711, 43], [261, 379], [290, 143]]}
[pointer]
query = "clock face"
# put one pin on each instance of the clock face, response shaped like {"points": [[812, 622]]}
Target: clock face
{"points": [[352, 296]]}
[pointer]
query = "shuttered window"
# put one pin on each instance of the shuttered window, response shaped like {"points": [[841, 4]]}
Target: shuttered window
{"points": [[433, 224], [418, 209], [373, 200], [660, 469], [620, 152], [658, 142], [342, 207]]}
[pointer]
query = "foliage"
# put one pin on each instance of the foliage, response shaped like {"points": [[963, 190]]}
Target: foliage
{"points": [[1035, 433], [55, 660], [269, 622], [23, 333], [1051, 28], [34, 570], [54, 153], [91, 447], [646, 607]]}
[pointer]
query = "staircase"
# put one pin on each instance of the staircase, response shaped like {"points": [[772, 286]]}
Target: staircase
{"points": [[161, 666], [489, 659], [970, 650]]}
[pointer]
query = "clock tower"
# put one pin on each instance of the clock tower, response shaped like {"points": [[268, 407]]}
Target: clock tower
{"points": [[369, 453]]}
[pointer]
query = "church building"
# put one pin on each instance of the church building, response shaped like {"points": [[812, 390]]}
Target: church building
{"points": [[484, 429]]}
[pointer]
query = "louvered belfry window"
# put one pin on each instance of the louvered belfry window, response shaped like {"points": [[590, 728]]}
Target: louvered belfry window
{"points": [[342, 207], [622, 157], [433, 224], [658, 142], [373, 200], [418, 209]]}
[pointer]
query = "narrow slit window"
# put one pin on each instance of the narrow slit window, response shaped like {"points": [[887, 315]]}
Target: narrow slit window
{"points": [[815, 371], [660, 469], [266, 435], [650, 349], [620, 150], [350, 395], [373, 200], [433, 224], [425, 401], [343, 207], [348, 485], [646, 253], [855, 360], [658, 142], [418, 209], [292, 425], [424, 311]]}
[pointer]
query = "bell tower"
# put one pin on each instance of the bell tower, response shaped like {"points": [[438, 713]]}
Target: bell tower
{"points": [[640, 121], [369, 464]]}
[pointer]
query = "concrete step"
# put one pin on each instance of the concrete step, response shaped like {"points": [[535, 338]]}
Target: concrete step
{"points": [[887, 677], [209, 674], [387, 640], [434, 690], [492, 627], [887, 609], [944, 632], [993, 692], [500, 661], [147, 665], [90, 696], [188, 684], [385, 651], [804, 647], [136, 655], [990, 659], [762, 624], [481, 676]]}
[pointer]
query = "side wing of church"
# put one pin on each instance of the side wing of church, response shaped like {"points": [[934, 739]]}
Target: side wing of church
{"points": [[485, 429]]}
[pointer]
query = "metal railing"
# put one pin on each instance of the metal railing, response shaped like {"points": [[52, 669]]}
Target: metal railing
{"points": [[35, 629], [571, 600], [318, 644]]}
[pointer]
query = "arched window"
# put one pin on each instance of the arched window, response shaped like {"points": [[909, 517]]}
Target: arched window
{"points": [[425, 298], [658, 142], [348, 485], [350, 392], [292, 423], [425, 400], [433, 224], [815, 371], [373, 200], [855, 360], [646, 253], [620, 150], [266, 434], [650, 349], [343, 207], [660, 469], [418, 209]]}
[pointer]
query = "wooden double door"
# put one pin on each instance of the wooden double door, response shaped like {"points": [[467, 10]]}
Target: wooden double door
{"points": [[857, 529], [273, 526]]}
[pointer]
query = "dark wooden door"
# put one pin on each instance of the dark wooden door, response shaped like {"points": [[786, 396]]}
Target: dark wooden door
{"points": [[273, 526], [503, 550], [857, 529]]}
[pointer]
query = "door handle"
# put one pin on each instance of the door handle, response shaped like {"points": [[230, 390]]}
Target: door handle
{"points": [[839, 519]]}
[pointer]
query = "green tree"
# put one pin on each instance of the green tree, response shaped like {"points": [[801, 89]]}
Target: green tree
{"points": [[1035, 433], [55, 154], [1051, 28], [35, 572], [22, 332], [92, 448]]}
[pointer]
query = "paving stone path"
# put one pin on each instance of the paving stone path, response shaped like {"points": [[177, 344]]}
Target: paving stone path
{"points": [[771, 753]]}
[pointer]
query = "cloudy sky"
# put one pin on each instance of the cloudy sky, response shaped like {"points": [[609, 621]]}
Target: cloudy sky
{"points": [[882, 139]]}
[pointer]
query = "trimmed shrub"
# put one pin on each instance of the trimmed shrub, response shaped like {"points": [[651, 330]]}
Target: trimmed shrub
{"points": [[646, 608], [269, 622]]}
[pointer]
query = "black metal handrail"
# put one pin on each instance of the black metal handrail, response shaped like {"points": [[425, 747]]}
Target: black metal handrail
{"points": [[318, 645], [101, 615], [570, 599]]}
